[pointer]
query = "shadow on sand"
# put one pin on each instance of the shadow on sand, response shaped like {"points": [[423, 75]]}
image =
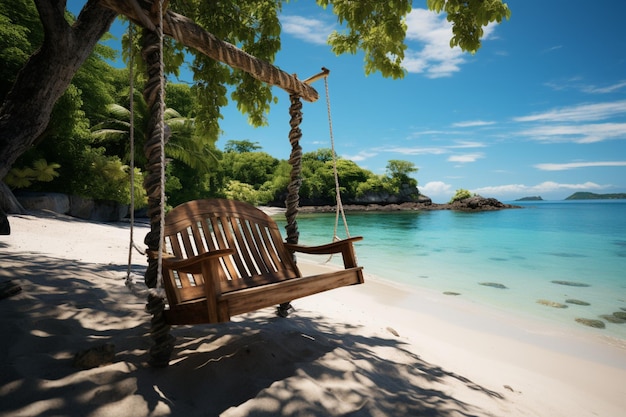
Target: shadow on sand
{"points": [[259, 365]]}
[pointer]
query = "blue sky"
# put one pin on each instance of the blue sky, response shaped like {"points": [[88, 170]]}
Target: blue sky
{"points": [[540, 109]]}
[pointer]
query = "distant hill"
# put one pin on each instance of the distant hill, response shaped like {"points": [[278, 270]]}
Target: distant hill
{"points": [[531, 198], [594, 196]]}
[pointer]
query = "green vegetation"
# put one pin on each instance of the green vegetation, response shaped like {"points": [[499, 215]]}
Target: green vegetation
{"points": [[593, 196], [81, 126], [461, 194], [25, 177]]}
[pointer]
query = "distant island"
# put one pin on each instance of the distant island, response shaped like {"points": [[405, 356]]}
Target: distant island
{"points": [[531, 198], [594, 196]]}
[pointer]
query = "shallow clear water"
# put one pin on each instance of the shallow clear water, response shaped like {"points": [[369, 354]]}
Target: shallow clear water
{"points": [[523, 249]]}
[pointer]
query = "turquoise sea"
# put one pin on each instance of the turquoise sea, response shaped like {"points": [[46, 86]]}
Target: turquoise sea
{"points": [[524, 250]]}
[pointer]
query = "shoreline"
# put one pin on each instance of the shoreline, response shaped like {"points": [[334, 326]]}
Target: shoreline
{"points": [[371, 347], [471, 204]]}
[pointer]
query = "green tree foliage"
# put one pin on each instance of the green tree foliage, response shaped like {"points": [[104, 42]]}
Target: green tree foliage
{"points": [[461, 194], [320, 155], [257, 177], [318, 183], [40, 170], [96, 82], [180, 97], [255, 28], [398, 172], [237, 190], [108, 179], [254, 168], [20, 35], [468, 18], [114, 134], [375, 27], [241, 146]]}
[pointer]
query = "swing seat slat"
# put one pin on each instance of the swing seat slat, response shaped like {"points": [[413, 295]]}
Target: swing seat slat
{"points": [[224, 257]]}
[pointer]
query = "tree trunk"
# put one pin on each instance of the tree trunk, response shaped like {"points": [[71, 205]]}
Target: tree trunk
{"points": [[8, 202], [26, 110]]}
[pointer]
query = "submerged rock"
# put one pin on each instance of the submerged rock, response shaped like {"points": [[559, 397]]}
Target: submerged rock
{"points": [[620, 315], [612, 319], [494, 285], [551, 304], [577, 302], [598, 324], [571, 283]]}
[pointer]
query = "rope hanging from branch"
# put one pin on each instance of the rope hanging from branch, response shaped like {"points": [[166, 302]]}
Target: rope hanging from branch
{"points": [[295, 160], [339, 208], [157, 136], [131, 106]]}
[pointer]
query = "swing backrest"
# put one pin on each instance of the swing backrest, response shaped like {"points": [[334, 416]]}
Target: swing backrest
{"points": [[201, 226]]}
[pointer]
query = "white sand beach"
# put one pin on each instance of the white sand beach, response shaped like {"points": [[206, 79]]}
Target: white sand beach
{"points": [[371, 350]]}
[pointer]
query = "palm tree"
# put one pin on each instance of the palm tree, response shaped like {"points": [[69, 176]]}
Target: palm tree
{"points": [[114, 135]]}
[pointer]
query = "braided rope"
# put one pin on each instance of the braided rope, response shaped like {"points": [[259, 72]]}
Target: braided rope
{"points": [[161, 129], [295, 181], [157, 136], [295, 160]]}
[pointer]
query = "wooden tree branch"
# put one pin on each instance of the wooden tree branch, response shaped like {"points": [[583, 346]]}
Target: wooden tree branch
{"points": [[53, 20], [185, 31], [26, 110]]}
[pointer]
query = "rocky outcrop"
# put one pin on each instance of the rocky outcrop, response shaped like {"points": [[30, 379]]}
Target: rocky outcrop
{"points": [[475, 203], [56, 202], [75, 206], [407, 194], [478, 203], [5, 227], [99, 210]]}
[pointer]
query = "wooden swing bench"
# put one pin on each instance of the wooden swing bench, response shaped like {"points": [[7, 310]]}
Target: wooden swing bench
{"points": [[223, 258]]}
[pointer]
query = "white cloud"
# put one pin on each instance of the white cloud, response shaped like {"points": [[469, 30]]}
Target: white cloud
{"points": [[587, 133], [552, 48], [417, 150], [592, 89], [473, 123], [574, 165], [470, 157], [361, 156], [428, 36], [544, 187], [435, 58], [580, 113], [441, 150], [576, 83], [309, 30], [435, 188], [467, 144], [575, 124]]}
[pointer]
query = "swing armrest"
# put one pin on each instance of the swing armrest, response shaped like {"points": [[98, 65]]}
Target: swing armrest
{"points": [[343, 246], [326, 249], [191, 265]]}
